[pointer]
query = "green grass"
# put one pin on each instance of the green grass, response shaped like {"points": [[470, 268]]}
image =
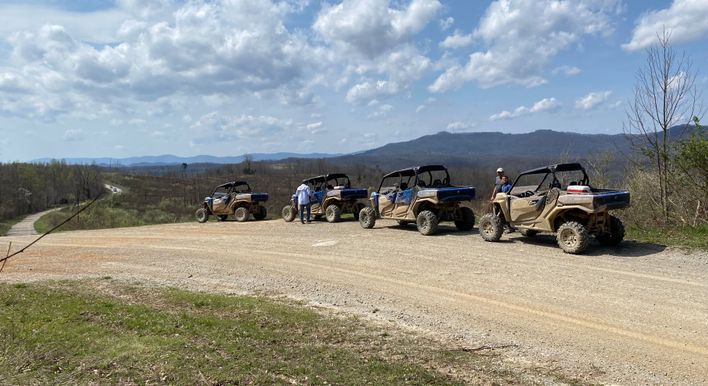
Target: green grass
{"points": [[117, 211], [690, 237], [5, 225], [103, 331]]}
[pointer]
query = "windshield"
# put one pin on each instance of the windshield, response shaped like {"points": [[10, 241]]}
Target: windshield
{"points": [[341, 181], [434, 178], [539, 183]]}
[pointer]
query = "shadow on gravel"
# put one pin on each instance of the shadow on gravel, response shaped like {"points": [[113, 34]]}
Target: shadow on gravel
{"points": [[443, 230], [628, 248]]}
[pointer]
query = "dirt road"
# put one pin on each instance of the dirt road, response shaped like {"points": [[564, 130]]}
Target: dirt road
{"points": [[632, 314], [26, 226]]}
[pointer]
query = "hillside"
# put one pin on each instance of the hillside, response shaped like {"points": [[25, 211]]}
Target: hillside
{"points": [[489, 148]]}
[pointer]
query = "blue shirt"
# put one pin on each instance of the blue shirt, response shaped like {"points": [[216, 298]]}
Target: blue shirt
{"points": [[505, 188]]}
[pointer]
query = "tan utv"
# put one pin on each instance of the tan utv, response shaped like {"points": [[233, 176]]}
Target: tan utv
{"points": [[421, 195], [557, 199], [332, 196], [233, 198]]}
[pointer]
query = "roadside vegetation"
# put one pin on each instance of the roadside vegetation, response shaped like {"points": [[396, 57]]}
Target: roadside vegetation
{"points": [[105, 331]]}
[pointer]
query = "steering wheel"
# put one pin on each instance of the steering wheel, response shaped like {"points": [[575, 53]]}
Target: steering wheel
{"points": [[527, 193]]}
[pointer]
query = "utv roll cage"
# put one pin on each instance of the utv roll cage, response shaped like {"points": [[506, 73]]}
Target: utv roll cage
{"points": [[416, 171], [552, 170]]}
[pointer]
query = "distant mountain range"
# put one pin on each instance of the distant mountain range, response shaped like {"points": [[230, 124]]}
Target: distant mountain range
{"points": [[491, 148], [168, 159], [453, 149]]}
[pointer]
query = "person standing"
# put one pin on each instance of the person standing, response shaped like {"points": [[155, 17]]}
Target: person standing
{"points": [[497, 182], [303, 194], [500, 174]]}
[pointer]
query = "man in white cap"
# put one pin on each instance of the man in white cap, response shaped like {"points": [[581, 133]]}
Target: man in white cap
{"points": [[500, 173], [497, 182]]}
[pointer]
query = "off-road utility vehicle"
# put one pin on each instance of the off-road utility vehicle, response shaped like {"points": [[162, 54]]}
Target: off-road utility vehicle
{"points": [[421, 195], [557, 199], [333, 195], [233, 198]]}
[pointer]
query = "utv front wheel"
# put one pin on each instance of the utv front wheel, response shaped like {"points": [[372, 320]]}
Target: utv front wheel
{"points": [[288, 213], [573, 237], [427, 222], [333, 213], [491, 227], [202, 215], [616, 234], [241, 214], [260, 213], [465, 219], [367, 217]]}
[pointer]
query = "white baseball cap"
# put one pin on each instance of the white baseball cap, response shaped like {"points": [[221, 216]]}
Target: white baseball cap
{"points": [[500, 170]]}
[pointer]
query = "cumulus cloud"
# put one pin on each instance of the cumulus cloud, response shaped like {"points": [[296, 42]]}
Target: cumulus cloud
{"points": [[74, 135], [519, 47], [204, 48], [684, 19], [446, 23], [459, 126], [401, 67], [566, 70], [373, 27], [216, 127], [456, 40], [545, 104], [592, 100], [381, 112]]}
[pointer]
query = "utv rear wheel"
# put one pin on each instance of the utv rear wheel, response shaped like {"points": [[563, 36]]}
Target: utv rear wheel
{"points": [[241, 214], [367, 217], [333, 213], [427, 222], [202, 215], [573, 237], [465, 219], [491, 227], [616, 234], [288, 213], [528, 232], [260, 213]]}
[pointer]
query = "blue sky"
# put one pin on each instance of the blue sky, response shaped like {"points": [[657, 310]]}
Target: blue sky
{"points": [[226, 77]]}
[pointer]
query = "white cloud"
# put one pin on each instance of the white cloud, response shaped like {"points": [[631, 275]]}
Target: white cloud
{"points": [[419, 108], [522, 37], [402, 68], [315, 127], [684, 19], [566, 70], [456, 40], [592, 100], [372, 27], [445, 24], [545, 104], [459, 126], [74, 135], [215, 127], [381, 112], [206, 48]]}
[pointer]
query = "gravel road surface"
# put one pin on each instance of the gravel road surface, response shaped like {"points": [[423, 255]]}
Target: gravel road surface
{"points": [[635, 314]]}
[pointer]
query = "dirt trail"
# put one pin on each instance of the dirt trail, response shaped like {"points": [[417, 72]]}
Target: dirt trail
{"points": [[26, 226], [632, 314]]}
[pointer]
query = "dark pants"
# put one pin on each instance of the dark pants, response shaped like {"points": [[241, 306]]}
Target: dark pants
{"points": [[302, 212]]}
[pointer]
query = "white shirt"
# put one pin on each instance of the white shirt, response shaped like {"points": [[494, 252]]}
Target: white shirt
{"points": [[303, 194]]}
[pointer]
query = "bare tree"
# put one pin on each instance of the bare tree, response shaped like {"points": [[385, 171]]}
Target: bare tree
{"points": [[665, 95]]}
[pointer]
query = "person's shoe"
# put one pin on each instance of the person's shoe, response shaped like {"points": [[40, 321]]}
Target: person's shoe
{"points": [[308, 221], [302, 222]]}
